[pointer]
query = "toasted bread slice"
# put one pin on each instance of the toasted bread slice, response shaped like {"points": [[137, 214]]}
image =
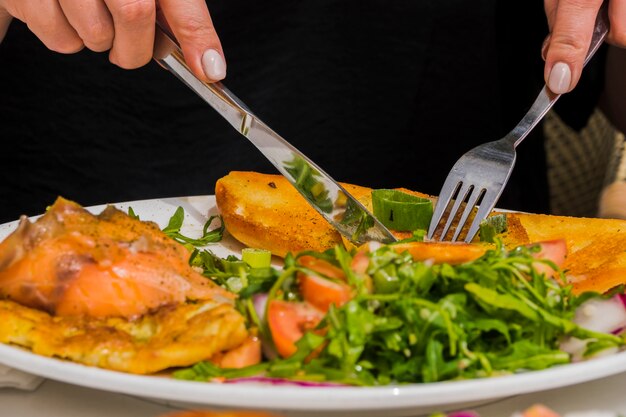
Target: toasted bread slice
{"points": [[596, 257], [265, 211]]}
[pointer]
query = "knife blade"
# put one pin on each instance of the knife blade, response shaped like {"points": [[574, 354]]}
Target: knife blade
{"points": [[346, 214]]}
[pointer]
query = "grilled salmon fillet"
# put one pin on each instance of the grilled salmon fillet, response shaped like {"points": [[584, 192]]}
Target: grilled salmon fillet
{"points": [[111, 291], [265, 211], [70, 262]]}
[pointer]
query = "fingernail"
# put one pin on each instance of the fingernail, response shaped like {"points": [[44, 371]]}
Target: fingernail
{"points": [[560, 78], [214, 65]]}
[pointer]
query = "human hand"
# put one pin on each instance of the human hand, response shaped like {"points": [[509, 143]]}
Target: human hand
{"points": [[125, 28], [613, 201], [571, 25]]}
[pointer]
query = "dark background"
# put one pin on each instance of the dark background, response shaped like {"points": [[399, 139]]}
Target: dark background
{"points": [[378, 93]]}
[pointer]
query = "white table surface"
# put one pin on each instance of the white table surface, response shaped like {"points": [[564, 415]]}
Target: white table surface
{"points": [[56, 399]]}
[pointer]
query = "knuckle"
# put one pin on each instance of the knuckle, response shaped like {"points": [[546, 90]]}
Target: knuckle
{"points": [[56, 39], [49, 28], [195, 29], [100, 36], [567, 45], [135, 11], [579, 4]]}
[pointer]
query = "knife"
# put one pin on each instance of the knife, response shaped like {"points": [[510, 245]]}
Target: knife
{"points": [[346, 214]]}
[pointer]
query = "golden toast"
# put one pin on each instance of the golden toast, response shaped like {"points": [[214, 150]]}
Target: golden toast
{"points": [[265, 211]]}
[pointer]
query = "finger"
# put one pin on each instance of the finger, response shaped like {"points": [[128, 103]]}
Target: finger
{"points": [[617, 17], [92, 21], [613, 201], [5, 21], [46, 20], [133, 22], [570, 39], [550, 7], [191, 24]]}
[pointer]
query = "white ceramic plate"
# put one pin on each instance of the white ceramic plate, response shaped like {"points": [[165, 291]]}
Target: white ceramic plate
{"points": [[388, 401]]}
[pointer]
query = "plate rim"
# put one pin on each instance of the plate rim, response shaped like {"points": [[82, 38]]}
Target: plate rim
{"points": [[297, 398]]}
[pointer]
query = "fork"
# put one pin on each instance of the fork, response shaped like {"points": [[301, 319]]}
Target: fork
{"points": [[480, 175]]}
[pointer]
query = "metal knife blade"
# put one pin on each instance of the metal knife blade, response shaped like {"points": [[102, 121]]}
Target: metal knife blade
{"points": [[346, 214]]}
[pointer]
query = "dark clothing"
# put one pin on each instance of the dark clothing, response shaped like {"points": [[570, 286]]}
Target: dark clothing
{"points": [[378, 93]]}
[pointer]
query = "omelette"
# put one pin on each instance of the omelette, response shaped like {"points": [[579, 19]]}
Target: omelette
{"points": [[110, 291], [266, 211]]}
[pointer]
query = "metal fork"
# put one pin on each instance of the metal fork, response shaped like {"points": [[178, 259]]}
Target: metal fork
{"points": [[480, 175]]}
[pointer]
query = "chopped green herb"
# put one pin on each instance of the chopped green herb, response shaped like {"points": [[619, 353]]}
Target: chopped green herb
{"points": [[491, 227], [256, 258], [401, 211], [208, 236], [132, 214]]}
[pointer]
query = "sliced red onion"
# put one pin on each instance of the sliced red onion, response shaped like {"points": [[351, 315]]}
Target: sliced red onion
{"points": [[283, 381], [373, 246], [260, 301], [463, 414], [606, 316]]}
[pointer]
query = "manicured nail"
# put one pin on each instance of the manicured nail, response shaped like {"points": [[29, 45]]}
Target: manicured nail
{"points": [[560, 78], [214, 65]]}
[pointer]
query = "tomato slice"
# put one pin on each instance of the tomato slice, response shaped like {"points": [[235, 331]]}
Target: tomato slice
{"points": [[552, 250], [288, 322], [360, 262], [442, 252], [322, 292], [246, 354], [323, 267], [319, 291]]}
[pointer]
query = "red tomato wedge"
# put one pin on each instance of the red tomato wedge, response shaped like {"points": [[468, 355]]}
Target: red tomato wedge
{"points": [[319, 291], [288, 322]]}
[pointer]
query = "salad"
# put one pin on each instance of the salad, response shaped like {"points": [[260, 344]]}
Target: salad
{"points": [[375, 316]]}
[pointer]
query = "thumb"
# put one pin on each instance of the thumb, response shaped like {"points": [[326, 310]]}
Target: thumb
{"points": [[191, 24], [571, 32]]}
